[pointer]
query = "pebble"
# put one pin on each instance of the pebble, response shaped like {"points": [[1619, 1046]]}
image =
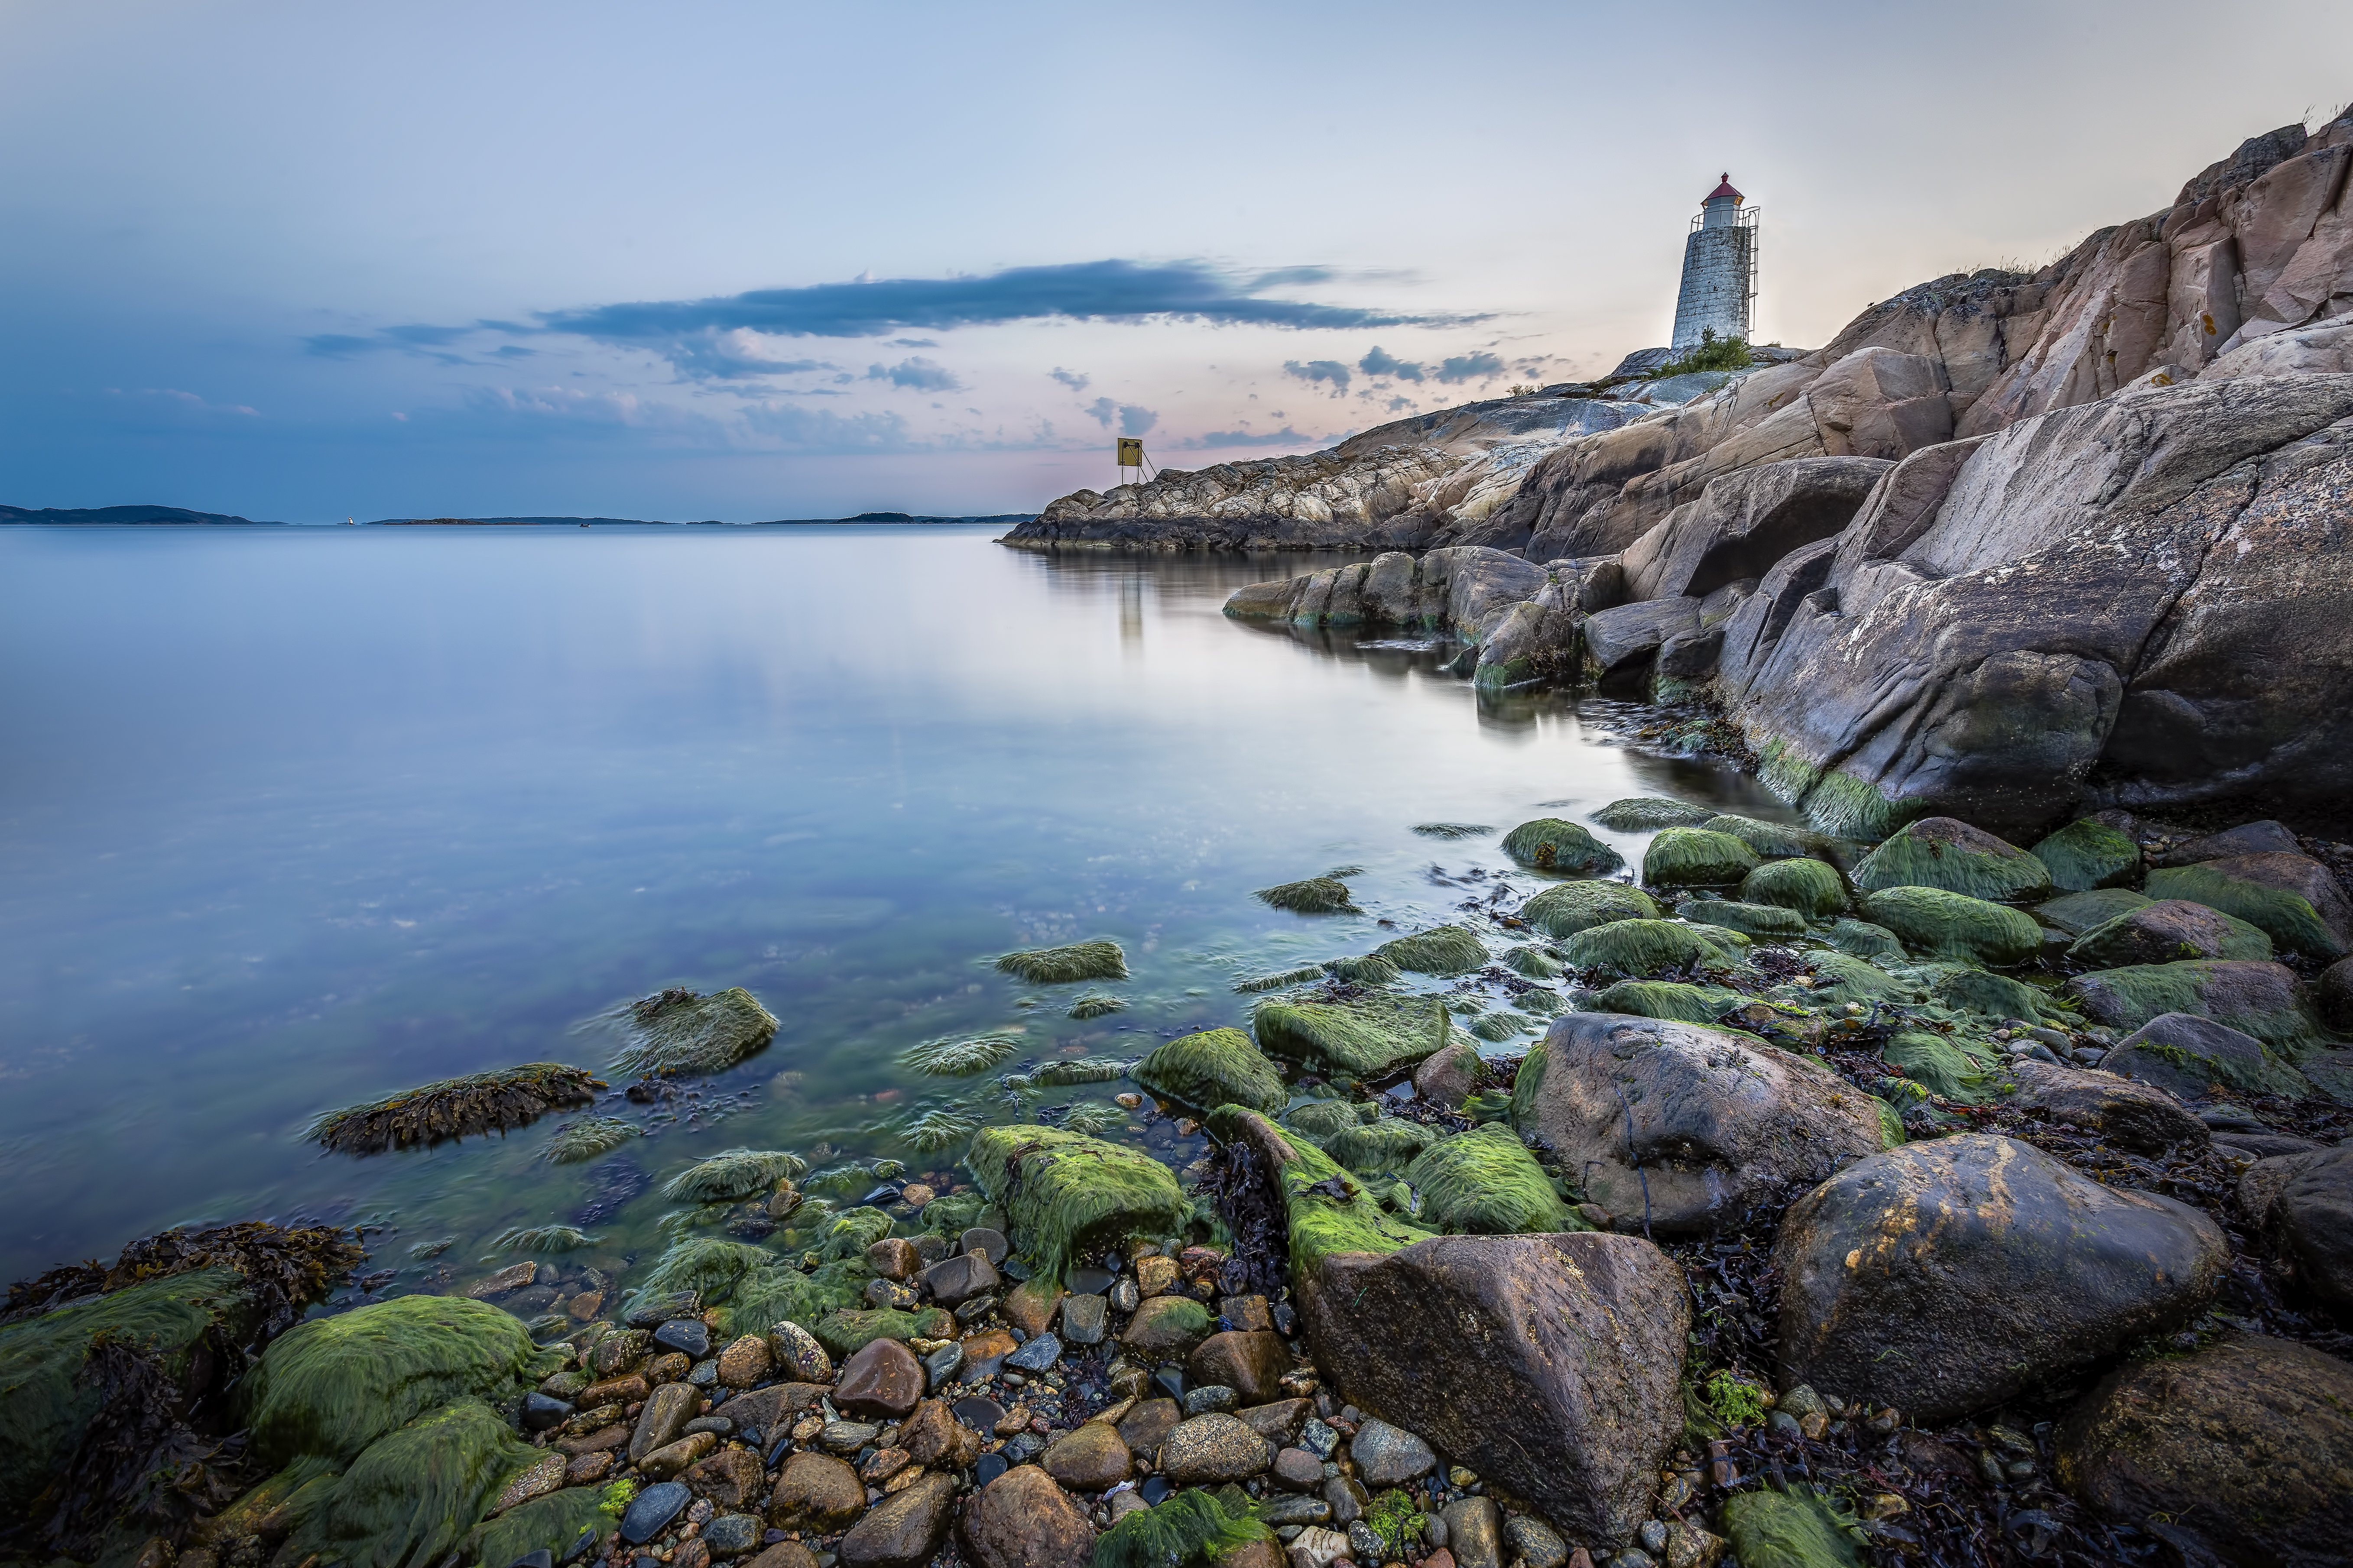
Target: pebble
{"points": [[796, 1350], [733, 1534], [1537, 1542], [1652, 1535], [1089, 1281], [1320, 1440], [688, 1336], [942, 1365], [1210, 1397], [1125, 1296], [1085, 1319], [1473, 1531], [717, 1425], [1037, 1355], [745, 1362], [847, 1437], [1213, 1448], [540, 1411], [1364, 1544], [1300, 1470], [1389, 1456], [1295, 1509], [983, 1240], [1348, 1500], [651, 1511], [1155, 1276]]}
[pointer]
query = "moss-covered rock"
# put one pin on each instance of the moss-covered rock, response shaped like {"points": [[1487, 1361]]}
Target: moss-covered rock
{"points": [[1564, 910], [1643, 812], [479, 1102], [1390, 1143], [2280, 894], [1315, 895], [1842, 977], [1695, 858], [1318, 1120], [1860, 938], [1631, 948], [1327, 1211], [2165, 932], [1549, 844], [1065, 965], [1486, 1182], [1441, 949], [332, 1386], [2085, 855], [1766, 920], [2075, 913], [1942, 852], [677, 1031], [1062, 1191], [1941, 923], [732, 1173], [415, 1493], [1667, 999], [1213, 1067], [785, 1293], [1350, 1036], [1532, 962], [1991, 997], [2259, 999], [1771, 1529], [1495, 1027], [1812, 887], [1369, 969], [710, 1267], [1941, 1065], [845, 1333], [1771, 840], [550, 1523]]}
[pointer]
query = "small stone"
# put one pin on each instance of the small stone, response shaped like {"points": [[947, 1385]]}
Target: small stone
{"points": [[1389, 1456], [1536, 1541], [619, 1352], [1212, 1449], [846, 1436], [953, 1281], [588, 1469], [651, 1511], [1022, 1519], [1364, 1544], [1316, 1547], [1030, 1305], [1155, 1276], [1474, 1532], [671, 1457], [940, 1367], [1148, 1425], [1319, 1438], [1093, 1458], [668, 1410], [894, 1257], [906, 1477], [980, 1414], [1089, 1281], [1250, 1314], [732, 1535], [883, 1464], [882, 1379], [889, 1295], [985, 1351], [1278, 1422], [655, 1311], [1299, 1469], [816, 1491], [731, 1477], [1251, 1362], [1652, 1535], [511, 1278], [1210, 1396], [793, 1348], [1165, 1328], [1037, 1355], [1348, 1500], [1084, 1319], [540, 1412], [671, 1366], [688, 1336], [1284, 1508], [988, 1242], [1124, 1296], [904, 1529], [744, 1363], [541, 1479]]}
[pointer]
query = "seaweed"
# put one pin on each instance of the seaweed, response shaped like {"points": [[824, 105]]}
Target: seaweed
{"points": [[1325, 1210], [415, 1493], [705, 1266], [284, 1269], [1860, 938], [1667, 999], [541, 1238], [1534, 963], [1749, 919], [1371, 969], [1062, 965], [940, 1127], [1453, 829], [1315, 895], [479, 1102], [2075, 913], [1771, 840], [1486, 1182], [732, 1173], [2085, 855], [1062, 1191], [1942, 923], [1202, 1071], [1549, 844], [1947, 1070], [678, 1031], [1394, 1519], [852, 1232], [1441, 949], [550, 1523], [576, 1141], [1639, 947], [1390, 1143], [1494, 1026], [1282, 978], [1094, 1118], [961, 1056], [1094, 1005], [1564, 910], [1771, 1529], [1070, 1070], [1812, 887], [1191, 1529]]}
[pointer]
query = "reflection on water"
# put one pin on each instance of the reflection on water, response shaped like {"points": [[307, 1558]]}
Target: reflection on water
{"points": [[293, 818]]}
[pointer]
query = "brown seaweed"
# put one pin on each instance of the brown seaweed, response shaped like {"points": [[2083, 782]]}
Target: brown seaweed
{"points": [[455, 1108]]}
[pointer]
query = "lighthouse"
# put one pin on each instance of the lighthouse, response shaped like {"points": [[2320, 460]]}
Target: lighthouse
{"points": [[1719, 286]]}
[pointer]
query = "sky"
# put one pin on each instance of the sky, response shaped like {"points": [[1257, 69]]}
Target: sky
{"points": [[741, 261]]}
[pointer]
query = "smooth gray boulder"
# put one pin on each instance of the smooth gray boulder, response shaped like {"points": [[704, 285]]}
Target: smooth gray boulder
{"points": [[1744, 524], [2135, 1116], [2306, 1200], [2190, 1056]]}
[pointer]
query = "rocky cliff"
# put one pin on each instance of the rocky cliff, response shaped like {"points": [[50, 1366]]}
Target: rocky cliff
{"points": [[2009, 544]]}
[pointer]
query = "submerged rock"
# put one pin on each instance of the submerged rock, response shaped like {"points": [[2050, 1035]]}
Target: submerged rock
{"points": [[2243, 1446], [455, 1108], [1063, 965], [1771, 840], [1749, 919], [1563, 911], [1687, 1127], [1216, 1067], [1315, 895], [1063, 1191], [1549, 844], [1947, 1276], [1441, 949], [1364, 1036], [678, 1031], [732, 1173], [1940, 852]]}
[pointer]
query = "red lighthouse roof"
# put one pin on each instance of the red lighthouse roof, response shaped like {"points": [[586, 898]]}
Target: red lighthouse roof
{"points": [[1724, 190]]}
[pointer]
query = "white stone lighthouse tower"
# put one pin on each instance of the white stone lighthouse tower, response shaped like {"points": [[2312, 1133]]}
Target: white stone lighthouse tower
{"points": [[1719, 288]]}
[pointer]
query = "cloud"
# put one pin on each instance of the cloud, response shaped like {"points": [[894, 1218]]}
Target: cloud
{"points": [[1133, 420], [917, 373], [1218, 440], [1379, 362], [1316, 370], [1069, 378], [417, 337], [914, 343], [190, 401], [1471, 367]]}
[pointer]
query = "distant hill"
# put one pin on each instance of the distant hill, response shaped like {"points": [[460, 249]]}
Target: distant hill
{"points": [[874, 517], [119, 514]]}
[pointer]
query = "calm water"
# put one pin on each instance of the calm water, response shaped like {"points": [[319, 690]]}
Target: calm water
{"points": [[294, 818]]}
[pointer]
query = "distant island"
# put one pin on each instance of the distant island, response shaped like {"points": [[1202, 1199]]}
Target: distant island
{"points": [[117, 515]]}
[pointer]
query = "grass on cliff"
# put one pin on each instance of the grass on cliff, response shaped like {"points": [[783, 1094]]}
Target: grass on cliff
{"points": [[1711, 353]]}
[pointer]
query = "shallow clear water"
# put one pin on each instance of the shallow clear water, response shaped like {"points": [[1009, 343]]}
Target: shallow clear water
{"points": [[294, 818]]}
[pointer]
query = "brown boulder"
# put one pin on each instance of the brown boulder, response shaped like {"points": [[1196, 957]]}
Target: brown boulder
{"points": [[954, 1280], [1250, 1363], [1450, 1074], [905, 1528], [2246, 1446], [1090, 1459], [816, 1491], [732, 1478], [2136, 1116], [1212, 1449], [1022, 1519], [883, 1379], [1166, 1328], [894, 1257], [935, 1438]]}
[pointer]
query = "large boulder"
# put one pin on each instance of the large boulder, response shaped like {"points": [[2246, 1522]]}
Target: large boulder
{"points": [[1063, 1191], [1691, 1127], [2167, 932], [2292, 896], [2253, 997], [1947, 1276], [2135, 1116], [2306, 1200], [1350, 1036], [1939, 924], [1216, 1067], [2190, 1056], [1743, 523], [1022, 1519], [2243, 1448], [1940, 852]]}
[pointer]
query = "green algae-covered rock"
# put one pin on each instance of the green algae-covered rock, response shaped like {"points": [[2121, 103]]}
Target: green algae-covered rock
{"points": [[1548, 844], [1486, 1182], [850, 1234], [1315, 895], [732, 1173], [1388, 1145], [1531, 962], [1749, 919], [332, 1386], [45, 1401], [1494, 1026], [1327, 1211], [550, 1523], [1941, 1065], [783, 1292], [1860, 938], [1643, 812], [1994, 997], [415, 1493], [2283, 895], [1062, 1191], [1842, 977], [708, 1266], [1940, 923], [1358, 1036], [1318, 1120], [1441, 949], [2085, 855], [1771, 840], [1569, 908], [679, 1032], [1941, 852], [2166, 931], [2259, 999], [1371, 969], [1634, 948], [1214, 1068], [1771, 1529], [1812, 887], [845, 1333], [1666, 999], [1064, 965], [1695, 858], [2075, 913]]}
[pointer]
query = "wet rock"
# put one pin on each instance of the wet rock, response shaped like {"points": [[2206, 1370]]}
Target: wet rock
{"points": [[2307, 1199], [772, 1409], [794, 1349], [1719, 1123], [954, 1280], [1022, 1519], [1208, 1449], [1278, 1422], [2135, 1116], [1538, 1545], [1936, 922], [2188, 1056], [619, 1352], [1092, 1458], [2243, 1446], [745, 1361], [732, 1535], [2259, 999], [1298, 1469], [2267, 837], [1365, 1542], [1943, 852], [1348, 1500], [786, 1554], [1146, 1427], [1295, 1509], [904, 1529], [2333, 994], [672, 1457], [668, 1410], [940, 1367], [688, 1336], [1475, 1532], [2165, 931], [1318, 1547], [847, 1437], [651, 1511], [1450, 1076], [987, 1240], [1067, 1194], [935, 1440], [1217, 1067], [540, 1411], [1946, 1276], [1388, 1455], [1166, 1327], [883, 1379], [2295, 900], [1208, 1397], [1037, 1355], [540, 1479], [816, 1491], [1031, 1306], [1085, 1319], [1250, 1363], [732, 1478], [2088, 853], [894, 1257]]}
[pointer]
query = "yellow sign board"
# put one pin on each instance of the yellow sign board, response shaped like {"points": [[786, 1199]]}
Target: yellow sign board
{"points": [[1131, 452]]}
